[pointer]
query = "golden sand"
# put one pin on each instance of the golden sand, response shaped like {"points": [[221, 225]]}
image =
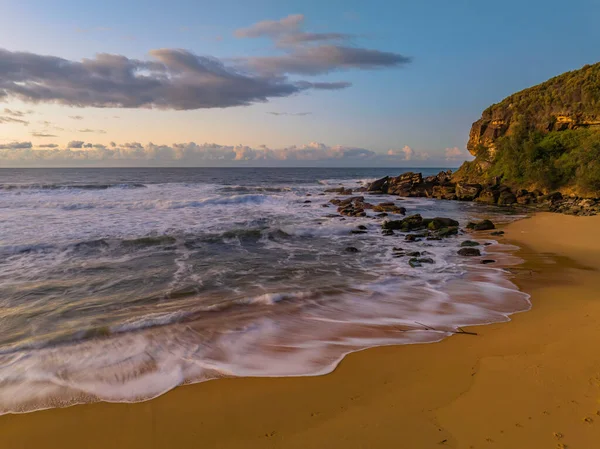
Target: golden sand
{"points": [[531, 383]]}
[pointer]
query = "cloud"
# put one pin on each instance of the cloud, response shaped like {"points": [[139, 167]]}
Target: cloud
{"points": [[80, 153], [408, 154], [181, 80], [48, 145], [296, 114], [40, 134], [272, 28], [76, 117], [88, 130], [15, 146], [309, 53], [325, 59], [4, 120], [75, 144], [172, 79], [15, 113], [456, 154]]}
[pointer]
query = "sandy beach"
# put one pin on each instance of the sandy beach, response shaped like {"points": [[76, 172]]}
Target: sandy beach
{"points": [[531, 383]]}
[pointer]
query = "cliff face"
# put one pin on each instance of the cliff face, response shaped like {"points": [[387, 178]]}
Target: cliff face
{"points": [[568, 101]]}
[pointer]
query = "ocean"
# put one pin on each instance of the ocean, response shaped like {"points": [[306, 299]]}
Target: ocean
{"points": [[121, 284]]}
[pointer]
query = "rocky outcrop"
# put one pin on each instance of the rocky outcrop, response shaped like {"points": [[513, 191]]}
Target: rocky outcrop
{"points": [[568, 101]]}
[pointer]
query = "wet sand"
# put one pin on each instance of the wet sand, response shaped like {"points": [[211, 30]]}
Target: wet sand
{"points": [[531, 383]]}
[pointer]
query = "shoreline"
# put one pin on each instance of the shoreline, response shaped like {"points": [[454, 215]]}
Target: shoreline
{"points": [[453, 393]]}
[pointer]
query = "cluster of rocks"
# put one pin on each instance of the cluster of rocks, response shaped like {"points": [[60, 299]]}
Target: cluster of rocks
{"points": [[442, 187]]}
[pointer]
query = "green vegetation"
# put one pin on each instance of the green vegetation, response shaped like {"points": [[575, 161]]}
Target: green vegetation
{"points": [[559, 160], [576, 93]]}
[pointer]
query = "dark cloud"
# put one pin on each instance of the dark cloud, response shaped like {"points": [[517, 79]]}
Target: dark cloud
{"points": [[39, 134], [181, 80], [76, 117], [15, 146], [48, 145], [75, 144], [175, 79], [88, 130], [325, 59], [308, 53]]}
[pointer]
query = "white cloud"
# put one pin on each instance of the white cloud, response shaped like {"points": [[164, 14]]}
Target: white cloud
{"points": [[456, 154], [408, 154]]}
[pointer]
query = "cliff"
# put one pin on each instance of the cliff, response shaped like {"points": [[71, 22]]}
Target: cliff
{"points": [[546, 136], [568, 101]]}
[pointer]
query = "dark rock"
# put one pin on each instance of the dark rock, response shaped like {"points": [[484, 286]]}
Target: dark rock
{"points": [[467, 192], [426, 260], [324, 205], [410, 223], [352, 249], [447, 192], [488, 195], [382, 215], [468, 243], [497, 233], [389, 207], [447, 232], [487, 261], [381, 185], [411, 238], [404, 184], [414, 263], [362, 227], [413, 254], [441, 222], [506, 198], [484, 225], [307, 201], [358, 231], [552, 198], [469, 252], [387, 232], [397, 249]]}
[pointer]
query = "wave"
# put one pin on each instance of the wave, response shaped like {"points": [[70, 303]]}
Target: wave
{"points": [[72, 186]]}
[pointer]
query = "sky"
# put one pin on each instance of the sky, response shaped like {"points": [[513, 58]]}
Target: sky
{"points": [[265, 82]]}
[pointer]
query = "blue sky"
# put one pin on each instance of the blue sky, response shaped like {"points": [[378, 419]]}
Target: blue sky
{"points": [[465, 55]]}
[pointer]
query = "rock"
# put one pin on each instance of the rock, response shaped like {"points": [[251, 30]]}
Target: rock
{"points": [[506, 198], [484, 225], [410, 223], [468, 243], [487, 261], [358, 231], [469, 252], [351, 249], [324, 205], [467, 192], [411, 238], [382, 215], [362, 227], [397, 249], [497, 233], [552, 198], [307, 201], [441, 222], [381, 185], [426, 260], [413, 254], [387, 232], [444, 192], [488, 195], [447, 232], [404, 184], [340, 190], [414, 263], [389, 207]]}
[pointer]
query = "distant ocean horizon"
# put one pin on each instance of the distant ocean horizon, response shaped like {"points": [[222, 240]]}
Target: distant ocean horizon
{"points": [[119, 284]]}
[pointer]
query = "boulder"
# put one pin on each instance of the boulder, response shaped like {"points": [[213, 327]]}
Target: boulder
{"points": [[497, 233], [468, 243], [414, 263], [380, 185], [487, 261], [447, 192], [484, 225], [467, 192], [413, 222], [447, 232], [351, 249], [506, 198], [469, 252], [441, 222], [488, 195]]}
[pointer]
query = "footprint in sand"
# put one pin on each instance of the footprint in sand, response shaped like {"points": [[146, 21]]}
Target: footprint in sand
{"points": [[558, 435], [588, 420]]}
